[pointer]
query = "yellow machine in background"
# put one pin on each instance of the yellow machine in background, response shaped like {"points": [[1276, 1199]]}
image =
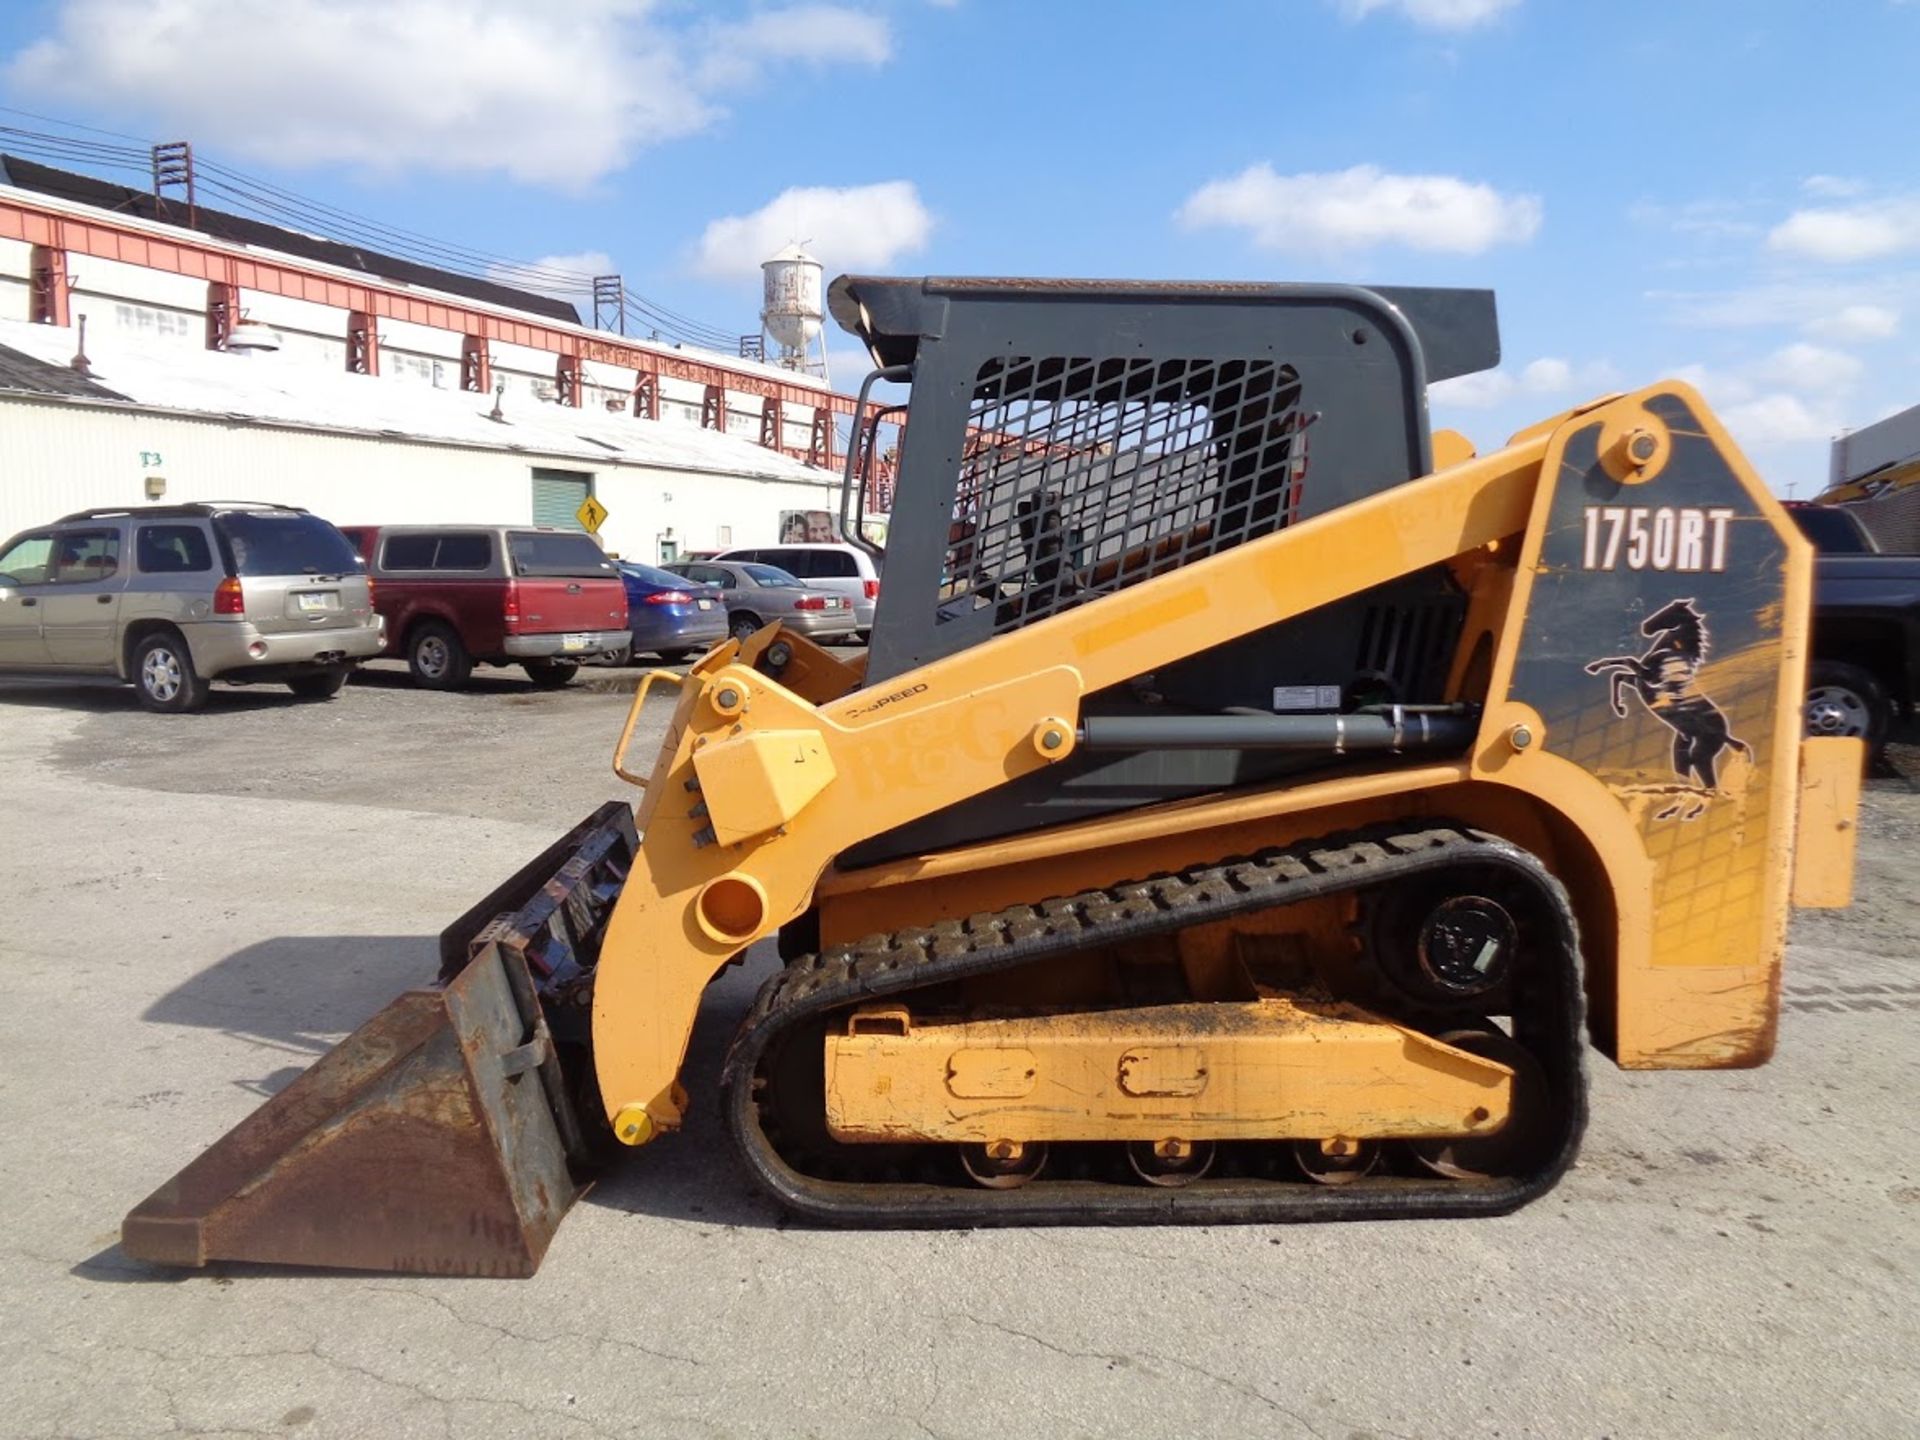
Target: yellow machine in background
{"points": [[1247, 809]]}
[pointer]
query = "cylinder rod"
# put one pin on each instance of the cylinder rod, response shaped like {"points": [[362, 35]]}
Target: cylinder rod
{"points": [[1393, 729]]}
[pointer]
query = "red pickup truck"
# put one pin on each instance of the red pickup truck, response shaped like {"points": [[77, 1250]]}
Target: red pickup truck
{"points": [[456, 596]]}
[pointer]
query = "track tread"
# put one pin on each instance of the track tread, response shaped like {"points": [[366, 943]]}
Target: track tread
{"points": [[911, 958]]}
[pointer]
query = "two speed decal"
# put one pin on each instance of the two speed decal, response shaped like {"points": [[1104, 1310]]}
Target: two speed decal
{"points": [[1684, 538]]}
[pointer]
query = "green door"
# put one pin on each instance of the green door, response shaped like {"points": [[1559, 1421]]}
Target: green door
{"points": [[558, 496]]}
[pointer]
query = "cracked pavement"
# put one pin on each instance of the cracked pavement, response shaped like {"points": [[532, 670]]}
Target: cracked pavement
{"points": [[198, 906]]}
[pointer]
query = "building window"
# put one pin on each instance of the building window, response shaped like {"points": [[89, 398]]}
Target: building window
{"points": [[145, 320]]}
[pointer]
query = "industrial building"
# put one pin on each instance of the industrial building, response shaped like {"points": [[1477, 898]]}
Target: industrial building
{"points": [[1875, 471], [153, 349], [149, 421]]}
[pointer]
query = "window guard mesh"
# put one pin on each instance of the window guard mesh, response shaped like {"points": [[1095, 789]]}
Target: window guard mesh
{"points": [[1081, 477]]}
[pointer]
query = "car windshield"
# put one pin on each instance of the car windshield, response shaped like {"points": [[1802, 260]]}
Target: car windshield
{"points": [[1833, 532], [768, 575], [648, 575], [279, 542], [557, 552]]}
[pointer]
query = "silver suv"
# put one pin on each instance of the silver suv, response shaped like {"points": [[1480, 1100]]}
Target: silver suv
{"points": [[172, 597]]}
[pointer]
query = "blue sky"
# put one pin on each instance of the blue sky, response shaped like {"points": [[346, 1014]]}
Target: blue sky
{"points": [[1720, 190]]}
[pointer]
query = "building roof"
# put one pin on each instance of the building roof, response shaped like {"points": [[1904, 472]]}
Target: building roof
{"points": [[28, 374], [288, 390], [1885, 445], [239, 230]]}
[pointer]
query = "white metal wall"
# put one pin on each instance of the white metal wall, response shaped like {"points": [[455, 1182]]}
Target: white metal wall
{"points": [[57, 458]]}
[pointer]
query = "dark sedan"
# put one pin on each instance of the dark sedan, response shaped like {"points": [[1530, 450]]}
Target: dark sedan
{"points": [[671, 616]]}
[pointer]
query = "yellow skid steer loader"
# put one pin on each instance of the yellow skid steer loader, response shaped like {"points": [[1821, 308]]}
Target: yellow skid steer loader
{"points": [[1250, 807]]}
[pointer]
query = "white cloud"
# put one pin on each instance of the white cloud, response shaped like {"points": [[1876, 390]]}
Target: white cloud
{"points": [[862, 225], [1778, 419], [1360, 208], [816, 34], [1833, 186], [1547, 376], [1481, 390], [565, 277], [1796, 301], [1711, 219], [1856, 322], [1794, 394], [1434, 14], [1804, 367], [554, 93], [1844, 234]]}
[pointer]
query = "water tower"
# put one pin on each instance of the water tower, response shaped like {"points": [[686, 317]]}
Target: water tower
{"points": [[792, 312]]}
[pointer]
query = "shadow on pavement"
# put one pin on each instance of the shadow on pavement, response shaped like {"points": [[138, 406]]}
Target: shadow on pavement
{"points": [[509, 680], [1898, 765], [293, 996], [107, 697]]}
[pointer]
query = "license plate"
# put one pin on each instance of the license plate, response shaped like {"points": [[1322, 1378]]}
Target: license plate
{"points": [[706, 604], [313, 600], [576, 642]]}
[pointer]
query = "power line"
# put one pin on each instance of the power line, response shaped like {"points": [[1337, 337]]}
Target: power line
{"points": [[73, 125], [276, 205]]}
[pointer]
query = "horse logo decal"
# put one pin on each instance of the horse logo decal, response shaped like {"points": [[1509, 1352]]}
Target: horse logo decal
{"points": [[1664, 679]]}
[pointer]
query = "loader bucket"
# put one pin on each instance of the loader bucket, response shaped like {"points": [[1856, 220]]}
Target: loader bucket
{"points": [[441, 1137]]}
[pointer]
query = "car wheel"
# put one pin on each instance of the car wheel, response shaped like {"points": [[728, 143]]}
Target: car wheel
{"points": [[742, 624], [1847, 702], [322, 684], [551, 674], [437, 658], [673, 657], [164, 677], [863, 637]]}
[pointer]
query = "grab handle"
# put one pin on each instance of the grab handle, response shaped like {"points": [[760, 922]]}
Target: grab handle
{"points": [[633, 718]]}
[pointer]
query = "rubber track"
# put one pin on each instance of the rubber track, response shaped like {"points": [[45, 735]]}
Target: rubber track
{"points": [[890, 965]]}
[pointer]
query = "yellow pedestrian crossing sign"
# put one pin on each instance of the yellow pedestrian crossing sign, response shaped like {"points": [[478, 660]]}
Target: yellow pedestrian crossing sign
{"points": [[592, 514]]}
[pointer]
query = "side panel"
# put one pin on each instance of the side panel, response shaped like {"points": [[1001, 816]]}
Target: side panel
{"points": [[1662, 650]]}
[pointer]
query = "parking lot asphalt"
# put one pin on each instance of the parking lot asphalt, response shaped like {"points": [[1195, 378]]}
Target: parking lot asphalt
{"points": [[198, 906]]}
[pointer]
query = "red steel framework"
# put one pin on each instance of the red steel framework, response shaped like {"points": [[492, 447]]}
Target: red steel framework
{"points": [[228, 273]]}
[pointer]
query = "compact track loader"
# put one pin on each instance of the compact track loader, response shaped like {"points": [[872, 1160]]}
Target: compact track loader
{"points": [[1249, 806]]}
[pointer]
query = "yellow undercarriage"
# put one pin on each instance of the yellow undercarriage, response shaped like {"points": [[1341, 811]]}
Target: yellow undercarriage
{"points": [[1267, 1069]]}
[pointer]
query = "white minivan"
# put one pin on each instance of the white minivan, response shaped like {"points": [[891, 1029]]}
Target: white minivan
{"points": [[846, 569]]}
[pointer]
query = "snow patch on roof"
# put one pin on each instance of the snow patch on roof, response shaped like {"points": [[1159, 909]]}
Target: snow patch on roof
{"points": [[286, 389]]}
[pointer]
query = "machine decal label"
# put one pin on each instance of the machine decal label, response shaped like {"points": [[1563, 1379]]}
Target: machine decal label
{"points": [[1664, 678], [1685, 538], [885, 700]]}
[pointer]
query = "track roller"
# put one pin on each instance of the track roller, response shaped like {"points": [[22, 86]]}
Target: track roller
{"points": [[1171, 1163], [1003, 1164]]}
